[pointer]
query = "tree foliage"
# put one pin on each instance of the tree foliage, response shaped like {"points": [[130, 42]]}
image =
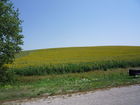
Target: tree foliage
{"points": [[10, 32], [10, 38]]}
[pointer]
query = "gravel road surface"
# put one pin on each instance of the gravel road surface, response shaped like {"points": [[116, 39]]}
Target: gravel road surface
{"points": [[129, 95]]}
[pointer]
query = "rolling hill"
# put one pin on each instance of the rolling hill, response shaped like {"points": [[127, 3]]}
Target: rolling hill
{"points": [[75, 59]]}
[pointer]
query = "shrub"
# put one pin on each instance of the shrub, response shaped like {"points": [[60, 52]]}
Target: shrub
{"points": [[6, 76]]}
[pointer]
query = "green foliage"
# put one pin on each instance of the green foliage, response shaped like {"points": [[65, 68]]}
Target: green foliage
{"points": [[10, 38], [6, 76], [10, 29], [74, 68]]}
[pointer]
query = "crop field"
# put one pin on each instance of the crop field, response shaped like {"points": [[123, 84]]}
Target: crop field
{"points": [[75, 59], [55, 71]]}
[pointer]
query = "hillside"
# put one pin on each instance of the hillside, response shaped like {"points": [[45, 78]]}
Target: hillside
{"points": [[85, 58]]}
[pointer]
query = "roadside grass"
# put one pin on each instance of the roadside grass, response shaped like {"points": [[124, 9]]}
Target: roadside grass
{"points": [[38, 86], [75, 59]]}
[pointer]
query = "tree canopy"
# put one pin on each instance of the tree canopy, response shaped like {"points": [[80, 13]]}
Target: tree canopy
{"points": [[10, 32]]}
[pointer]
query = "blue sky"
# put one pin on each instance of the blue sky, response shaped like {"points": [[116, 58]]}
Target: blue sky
{"points": [[67, 23]]}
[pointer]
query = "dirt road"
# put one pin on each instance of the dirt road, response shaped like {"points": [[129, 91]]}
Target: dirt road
{"points": [[129, 95]]}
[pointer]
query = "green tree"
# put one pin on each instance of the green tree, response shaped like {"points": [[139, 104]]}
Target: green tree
{"points": [[10, 33]]}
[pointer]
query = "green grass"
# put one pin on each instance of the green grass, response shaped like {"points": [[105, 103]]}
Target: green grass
{"points": [[34, 86], [75, 59], [67, 70]]}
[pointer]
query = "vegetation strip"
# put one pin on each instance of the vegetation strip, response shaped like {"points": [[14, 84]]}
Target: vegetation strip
{"points": [[33, 86]]}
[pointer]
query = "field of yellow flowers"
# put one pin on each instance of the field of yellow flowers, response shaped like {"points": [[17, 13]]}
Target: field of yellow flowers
{"points": [[75, 59]]}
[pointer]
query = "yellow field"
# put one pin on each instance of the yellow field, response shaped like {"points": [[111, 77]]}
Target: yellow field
{"points": [[77, 55]]}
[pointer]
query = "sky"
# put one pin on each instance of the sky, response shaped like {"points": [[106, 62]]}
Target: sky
{"points": [[71, 23]]}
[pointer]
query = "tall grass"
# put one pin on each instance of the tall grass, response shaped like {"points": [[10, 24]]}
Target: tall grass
{"points": [[32, 86], [71, 60]]}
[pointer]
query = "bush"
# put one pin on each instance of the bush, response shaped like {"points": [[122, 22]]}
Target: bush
{"points": [[6, 76]]}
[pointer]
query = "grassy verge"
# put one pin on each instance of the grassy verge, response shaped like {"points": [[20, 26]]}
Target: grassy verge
{"points": [[33, 86]]}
